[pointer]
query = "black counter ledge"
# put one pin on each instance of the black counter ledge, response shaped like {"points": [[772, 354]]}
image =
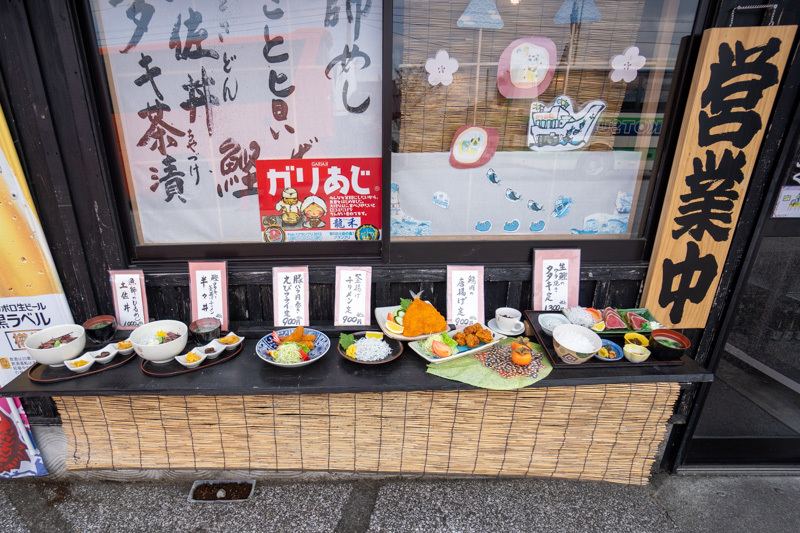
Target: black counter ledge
{"points": [[247, 374]]}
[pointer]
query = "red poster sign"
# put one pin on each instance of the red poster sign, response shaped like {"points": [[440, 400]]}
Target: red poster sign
{"points": [[320, 199]]}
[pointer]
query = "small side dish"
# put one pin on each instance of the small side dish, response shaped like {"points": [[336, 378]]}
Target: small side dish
{"points": [[366, 349], [192, 359], [80, 364], [231, 341], [125, 347], [104, 355]]}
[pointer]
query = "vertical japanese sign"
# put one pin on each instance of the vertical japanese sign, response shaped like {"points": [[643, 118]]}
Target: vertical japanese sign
{"points": [[130, 300], [201, 89], [290, 296], [353, 290], [465, 295], [208, 285], [556, 279], [320, 199], [730, 101]]}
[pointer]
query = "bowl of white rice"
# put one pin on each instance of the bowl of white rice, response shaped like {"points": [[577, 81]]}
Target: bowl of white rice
{"points": [[575, 344]]}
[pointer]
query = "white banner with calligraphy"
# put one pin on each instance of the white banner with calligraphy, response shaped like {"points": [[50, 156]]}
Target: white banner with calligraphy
{"points": [[465, 295], [201, 89], [290, 296]]}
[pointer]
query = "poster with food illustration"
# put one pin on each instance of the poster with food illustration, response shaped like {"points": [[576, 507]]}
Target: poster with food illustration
{"points": [[319, 199]]}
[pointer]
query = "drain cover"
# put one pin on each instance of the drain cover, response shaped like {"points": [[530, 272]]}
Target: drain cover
{"points": [[222, 490]]}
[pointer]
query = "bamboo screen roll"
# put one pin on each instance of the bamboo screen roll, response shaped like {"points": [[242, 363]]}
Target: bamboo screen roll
{"points": [[598, 432], [430, 115]]}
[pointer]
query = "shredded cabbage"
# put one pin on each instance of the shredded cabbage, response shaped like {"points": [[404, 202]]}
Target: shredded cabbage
{"points": [[288, 353], [441, 337]]}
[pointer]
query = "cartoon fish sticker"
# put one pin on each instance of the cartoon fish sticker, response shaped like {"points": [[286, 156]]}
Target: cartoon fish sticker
{"points": [[492, 176], [513, 195], [561, 207], [533, 206], [511, 226], [483, 226]]}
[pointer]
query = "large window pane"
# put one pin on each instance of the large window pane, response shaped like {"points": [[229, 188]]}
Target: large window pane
{"points": [[574, 144]]}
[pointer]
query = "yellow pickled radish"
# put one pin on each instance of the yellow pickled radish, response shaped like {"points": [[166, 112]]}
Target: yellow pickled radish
{"points": [[351, 351]]}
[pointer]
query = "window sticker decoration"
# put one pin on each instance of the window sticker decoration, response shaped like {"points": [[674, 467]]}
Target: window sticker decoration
{"points": [[559, 126], [609, 223], [473, 146], [526, 67], [481, 14], [441, 199], [441, 68], [625, 67], [561, 207], [788, 204], [577, 11], [402, 224]]}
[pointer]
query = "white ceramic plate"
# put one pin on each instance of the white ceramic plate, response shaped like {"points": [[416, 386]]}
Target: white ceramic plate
{"points": [[417, 347], [380, 316]]}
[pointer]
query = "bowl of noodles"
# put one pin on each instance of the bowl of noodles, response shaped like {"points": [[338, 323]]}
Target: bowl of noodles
{"points": [[293, 347]]}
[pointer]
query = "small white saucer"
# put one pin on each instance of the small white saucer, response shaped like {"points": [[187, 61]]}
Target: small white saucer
{"points": [[494, 327]]}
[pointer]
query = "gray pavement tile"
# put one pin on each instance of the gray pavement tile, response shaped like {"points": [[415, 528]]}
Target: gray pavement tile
{"points": [[516, 505], [10, 519], [731, 503], [150, 507]]}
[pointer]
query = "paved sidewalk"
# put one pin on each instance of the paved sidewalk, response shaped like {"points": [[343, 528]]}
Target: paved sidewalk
{"points": [[669, 503]]}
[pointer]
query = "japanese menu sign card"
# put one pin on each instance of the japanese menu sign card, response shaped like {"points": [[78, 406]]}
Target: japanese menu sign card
{"points": [[208, 284], [465, 295], [352, 306], [290, 296], [732, 95], [556, 279], [130, 300]]}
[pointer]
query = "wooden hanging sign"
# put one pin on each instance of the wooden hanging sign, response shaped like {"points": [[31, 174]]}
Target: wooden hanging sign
{"points": [[730, 101]]}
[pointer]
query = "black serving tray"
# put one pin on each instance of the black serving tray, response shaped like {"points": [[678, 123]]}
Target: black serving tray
{"points": [[40, 373], [546, 341], [174, 368]]}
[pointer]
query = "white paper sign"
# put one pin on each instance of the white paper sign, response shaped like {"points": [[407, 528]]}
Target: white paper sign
{"points": [[353, 286], [290, 296], [555, 286], [130, 301], [464, 295], [208, 283]]}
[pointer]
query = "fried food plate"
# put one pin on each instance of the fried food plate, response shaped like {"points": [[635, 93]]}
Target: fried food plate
{"points": [[462, 350], [382, 312], [267, 343]]}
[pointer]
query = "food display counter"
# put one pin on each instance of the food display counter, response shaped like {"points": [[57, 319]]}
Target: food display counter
{"points": [[395, 418]]}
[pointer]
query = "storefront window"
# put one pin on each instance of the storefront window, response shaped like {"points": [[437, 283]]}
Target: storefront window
{"points": [[520, 119], [203, 89]]}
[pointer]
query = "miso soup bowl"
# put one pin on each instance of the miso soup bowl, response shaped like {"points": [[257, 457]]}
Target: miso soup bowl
{"points": [[566, 348], [159, 353], [56, 356], [661, 351]]}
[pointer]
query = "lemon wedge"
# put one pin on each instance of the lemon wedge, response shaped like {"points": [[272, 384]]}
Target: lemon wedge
{"points": [[374, 334], [600, 326], [394, 327]]}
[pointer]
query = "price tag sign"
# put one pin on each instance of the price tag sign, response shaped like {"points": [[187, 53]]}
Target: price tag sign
{"points": [[208, 284], [353, 286], [130, 300], [464, 295], [290, 296], [556, 279]]}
